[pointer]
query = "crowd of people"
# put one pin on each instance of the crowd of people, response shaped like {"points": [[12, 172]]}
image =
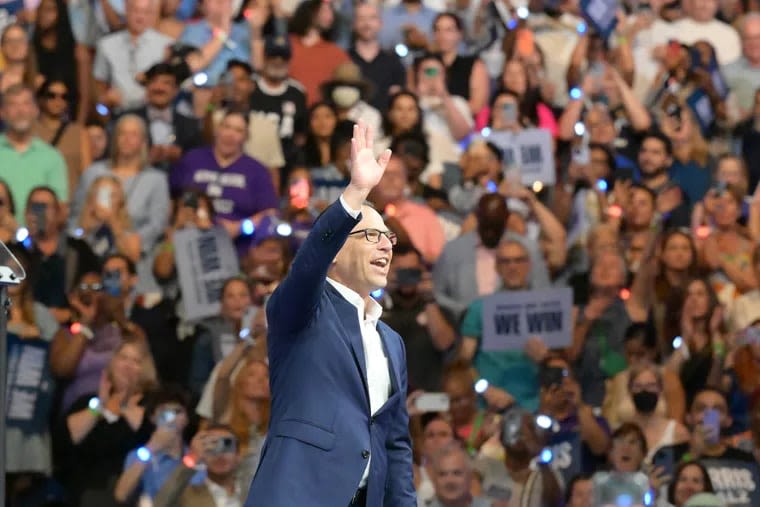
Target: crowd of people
{"points": [[161, 162]]}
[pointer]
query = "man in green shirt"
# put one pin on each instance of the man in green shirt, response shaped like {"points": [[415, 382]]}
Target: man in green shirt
{"points": [[26, 161]]}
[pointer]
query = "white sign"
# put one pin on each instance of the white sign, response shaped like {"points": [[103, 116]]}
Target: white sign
{"points": [[510, 318], [205, 260], [531, 151]]}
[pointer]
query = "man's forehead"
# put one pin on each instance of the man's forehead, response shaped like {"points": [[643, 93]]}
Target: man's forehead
{"points": [[370, 219]]}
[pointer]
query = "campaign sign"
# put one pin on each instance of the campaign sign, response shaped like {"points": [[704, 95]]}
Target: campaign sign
{"points": [[531, 151], [510, 318], [205, 260], [30, 385], [736, 482], [602, 14]]}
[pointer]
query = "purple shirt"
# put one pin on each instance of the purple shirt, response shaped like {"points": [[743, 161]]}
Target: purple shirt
{"points": [[238, 191]]}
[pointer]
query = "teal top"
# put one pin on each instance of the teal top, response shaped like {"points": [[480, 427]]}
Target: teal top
{"points": [[40, 164], [510, 370]]}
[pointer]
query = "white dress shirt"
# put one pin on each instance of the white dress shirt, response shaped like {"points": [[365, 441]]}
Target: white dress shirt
{"points": [[378, 368]]}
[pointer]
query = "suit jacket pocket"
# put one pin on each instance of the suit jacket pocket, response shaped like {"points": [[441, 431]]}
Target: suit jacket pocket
{"points": [[307, 433]]}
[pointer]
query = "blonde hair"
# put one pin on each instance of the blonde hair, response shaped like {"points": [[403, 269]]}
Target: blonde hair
{"points": [[121, 213], [148, 378], [646, 366], [239, 422], [114, 156]]}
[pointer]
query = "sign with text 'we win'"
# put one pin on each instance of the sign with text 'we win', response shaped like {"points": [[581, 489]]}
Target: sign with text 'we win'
{"points": [[510, 318]]}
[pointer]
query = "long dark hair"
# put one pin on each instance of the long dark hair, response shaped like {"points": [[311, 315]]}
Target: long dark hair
{"points": [[388, 126], [679, 470], [311, 156], [64, 38], [303, 19]]}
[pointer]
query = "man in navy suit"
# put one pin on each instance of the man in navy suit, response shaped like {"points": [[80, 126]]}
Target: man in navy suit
{"points": [[338, 433]]}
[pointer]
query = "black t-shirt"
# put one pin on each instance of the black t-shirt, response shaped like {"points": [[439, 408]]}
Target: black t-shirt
{"points": [[424, 361], [284, 106], [52, 277], [384, 72]]}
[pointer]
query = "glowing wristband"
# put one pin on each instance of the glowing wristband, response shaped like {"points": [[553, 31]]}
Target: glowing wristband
{"points": [[94, 406], [78, 328], [719, 349], [144, 455], [189, 461]]}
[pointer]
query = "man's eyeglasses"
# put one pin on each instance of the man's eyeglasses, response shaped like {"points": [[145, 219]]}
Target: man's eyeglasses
{"points": [[373, 235]]}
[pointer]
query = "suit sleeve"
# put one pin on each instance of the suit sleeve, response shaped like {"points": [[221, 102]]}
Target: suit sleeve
{"points": [[400, 489], [295, 300]]}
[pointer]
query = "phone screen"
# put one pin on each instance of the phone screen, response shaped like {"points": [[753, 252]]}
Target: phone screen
{"points": [[103, 197], [711, 420]]}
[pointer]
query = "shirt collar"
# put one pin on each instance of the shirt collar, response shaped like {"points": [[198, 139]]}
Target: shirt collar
{"points": [[371, 314], [218, 492]]}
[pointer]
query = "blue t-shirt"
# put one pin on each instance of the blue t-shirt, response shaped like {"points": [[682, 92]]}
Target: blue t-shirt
{"points": [[510, 370], [237, 47], [158, 470]]}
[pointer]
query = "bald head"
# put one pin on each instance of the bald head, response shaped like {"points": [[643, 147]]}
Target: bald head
{"points": [[492, 215]]}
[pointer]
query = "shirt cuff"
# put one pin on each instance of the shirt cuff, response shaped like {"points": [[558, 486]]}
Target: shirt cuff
{"points": [[354, 213]]}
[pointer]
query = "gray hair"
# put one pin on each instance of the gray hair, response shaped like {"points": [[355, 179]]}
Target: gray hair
{"points": [[452, 448]]}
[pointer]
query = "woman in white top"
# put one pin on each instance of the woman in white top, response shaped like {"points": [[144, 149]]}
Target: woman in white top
{"points": [[645, 386]]}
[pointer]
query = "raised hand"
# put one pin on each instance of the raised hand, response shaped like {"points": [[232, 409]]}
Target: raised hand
{"points": [[366, 171]]}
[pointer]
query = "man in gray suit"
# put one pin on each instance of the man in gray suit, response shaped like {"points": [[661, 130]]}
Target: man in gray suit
{"points": [[466, 268]]}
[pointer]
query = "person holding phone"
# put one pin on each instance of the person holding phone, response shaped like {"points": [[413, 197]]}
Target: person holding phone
{"points": [[443, 112], [708, 419], [147, 467], [104, 221], [217, 449]]}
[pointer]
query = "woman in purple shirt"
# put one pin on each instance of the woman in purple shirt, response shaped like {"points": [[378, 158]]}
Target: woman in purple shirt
{"points": [[240, 187]]}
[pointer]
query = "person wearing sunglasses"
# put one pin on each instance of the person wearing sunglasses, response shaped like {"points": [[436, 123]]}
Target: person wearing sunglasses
{"points": [[339, 427], [54, 126]]}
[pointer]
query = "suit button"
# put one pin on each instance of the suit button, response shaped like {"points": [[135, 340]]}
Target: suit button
{"points": [[327, 234], [365, 454]]}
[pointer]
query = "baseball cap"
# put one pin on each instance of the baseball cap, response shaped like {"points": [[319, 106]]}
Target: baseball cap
{"points": [[277, 46]]}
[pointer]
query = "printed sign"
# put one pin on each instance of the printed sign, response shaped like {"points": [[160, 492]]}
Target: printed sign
{"points": [[736, 482], [601, 14], [531, 151], [205, 260], [510, 318], [30, 385]]}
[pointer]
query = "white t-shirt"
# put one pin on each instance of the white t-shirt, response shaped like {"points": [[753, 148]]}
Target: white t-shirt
{"points": [[722, 36]]}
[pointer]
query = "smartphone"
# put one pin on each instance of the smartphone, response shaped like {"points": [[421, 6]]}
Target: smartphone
{"points": [[582, 154], [673, 110], [166, 417], [103, 197], [431, 72], [222, 445], [711, 420], [624, 174], [408, 277], [509, 112], [190, 200], [552, 376], [299, 193], [432, 402], [665, 458], [246, 325], [39, 212], [597, 70], [112, 283]]}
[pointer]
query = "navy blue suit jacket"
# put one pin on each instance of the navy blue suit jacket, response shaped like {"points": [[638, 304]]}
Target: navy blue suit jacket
{"points": [[321, 432]]}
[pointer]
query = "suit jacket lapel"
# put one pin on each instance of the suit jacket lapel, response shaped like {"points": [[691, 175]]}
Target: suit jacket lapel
{"points": [[383, 331], [349, 321]]}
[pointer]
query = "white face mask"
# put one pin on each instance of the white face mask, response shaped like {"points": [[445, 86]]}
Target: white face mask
{"points": [[345, 96]]}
